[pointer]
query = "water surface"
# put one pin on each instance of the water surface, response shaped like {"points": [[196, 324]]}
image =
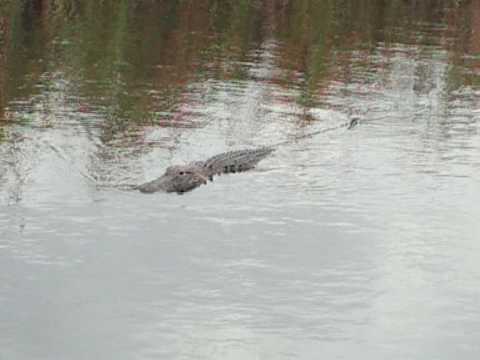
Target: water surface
{"points": [[353, 243]]}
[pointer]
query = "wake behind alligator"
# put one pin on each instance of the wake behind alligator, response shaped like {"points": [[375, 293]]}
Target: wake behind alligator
{"points": [[183, 178]]}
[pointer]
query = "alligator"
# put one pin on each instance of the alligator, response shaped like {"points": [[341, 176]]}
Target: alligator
{"points": [[183, 178]]}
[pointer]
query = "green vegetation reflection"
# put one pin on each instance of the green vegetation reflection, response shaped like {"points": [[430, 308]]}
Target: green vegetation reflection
{"points": [[131, 61]]}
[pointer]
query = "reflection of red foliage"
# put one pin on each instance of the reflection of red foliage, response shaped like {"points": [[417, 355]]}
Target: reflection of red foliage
{"points": [[475, 23], [84, 108]]}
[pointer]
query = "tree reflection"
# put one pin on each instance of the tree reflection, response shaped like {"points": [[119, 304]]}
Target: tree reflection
{"points": [[132, 62]]}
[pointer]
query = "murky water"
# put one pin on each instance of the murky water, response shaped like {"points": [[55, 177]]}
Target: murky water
{"points": [[355, 243]]}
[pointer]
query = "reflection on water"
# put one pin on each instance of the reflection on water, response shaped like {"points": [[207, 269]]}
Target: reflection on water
{"points": [[349, 242]]}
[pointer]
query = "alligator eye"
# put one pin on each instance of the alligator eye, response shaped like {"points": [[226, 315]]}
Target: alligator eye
{"points": [[181, 173]]}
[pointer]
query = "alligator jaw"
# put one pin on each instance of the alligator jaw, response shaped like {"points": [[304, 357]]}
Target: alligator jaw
{"points": [[163, 183], [170, 183]]}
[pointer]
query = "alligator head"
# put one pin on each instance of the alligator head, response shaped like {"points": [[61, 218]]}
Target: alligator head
{"points": [[177, 178]]}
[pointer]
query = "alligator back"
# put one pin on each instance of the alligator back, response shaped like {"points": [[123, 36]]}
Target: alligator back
{"points": [[236, 161]]}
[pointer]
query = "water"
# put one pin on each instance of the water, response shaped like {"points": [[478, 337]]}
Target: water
{"points": [[353, 243]]}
